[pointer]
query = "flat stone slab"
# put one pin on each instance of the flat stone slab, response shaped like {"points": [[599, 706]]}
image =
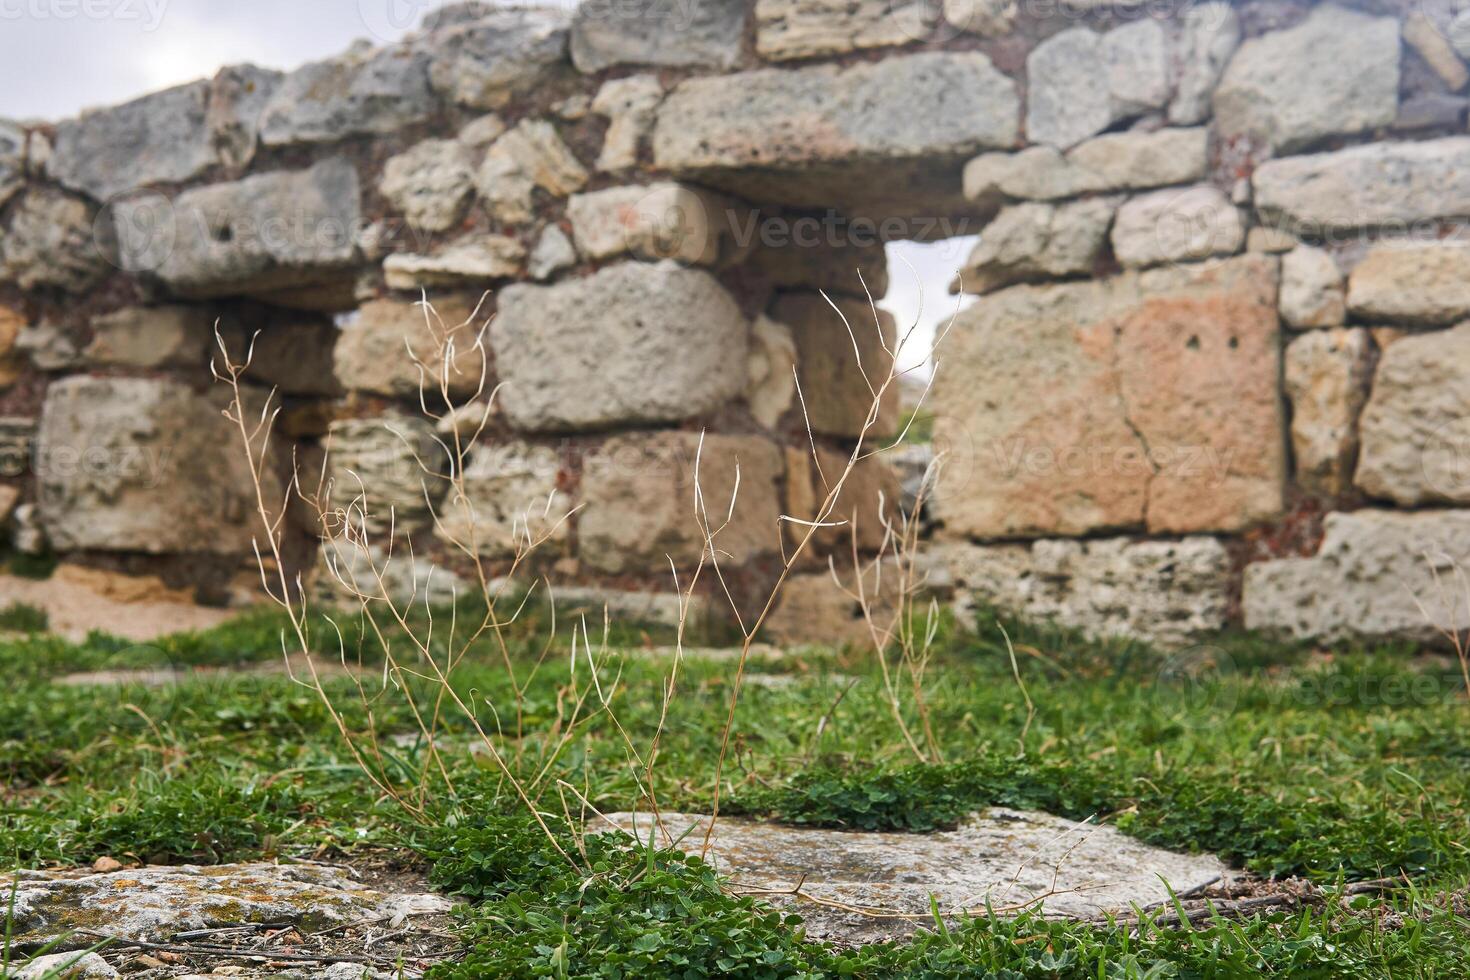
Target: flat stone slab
{"points": [[156, 903], [868, 887]]}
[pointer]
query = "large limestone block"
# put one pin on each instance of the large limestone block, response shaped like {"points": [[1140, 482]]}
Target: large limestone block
{"points": [[639, 501], [665, 220], [153, 337], [511, 502], [919, 105], [634, 343], [1167, 592], [139, 464], [380, 344], [386, 474], [1327, 374], [1111, 162], [1081, 82], [275, 231], [1209, 35], [531, 155], [1177, 226], [841, 361], [1368, 581], [1427, 284], [1311, 289], [366, 91], [1416, 428], [1033, 242], [787, 29], [431, 183], [666, 33], [502, 54], [865, 509], [1148, 400], [51, 243], [1334, 74], [474, 260], [1375, 185]]}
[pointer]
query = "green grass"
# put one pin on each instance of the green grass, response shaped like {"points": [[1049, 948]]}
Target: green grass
{"points": [[18, 617], [1337, 768]]}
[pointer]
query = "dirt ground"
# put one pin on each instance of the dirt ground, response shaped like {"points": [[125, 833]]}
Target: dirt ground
{"points": [[79, 600]]}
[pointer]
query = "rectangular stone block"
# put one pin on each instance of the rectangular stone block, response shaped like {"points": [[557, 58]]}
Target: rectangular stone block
{"points": [[841, 362], [788, 29], [1427, 284]]}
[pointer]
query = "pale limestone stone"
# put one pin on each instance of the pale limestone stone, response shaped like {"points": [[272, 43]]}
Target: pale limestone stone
{"points": [[1115, 161], [1423, 36], [633, 343], [498, 56], [1272, 241], [913, 106], [74, 966], [1327, 374], [1082, 82], [470, 261], [1376, 185], [49, 346], [51, 243], [1334, 74], [840, 362], [386, 475], [118, 466], [772, 389], [665, 33], [1412, 283], [788, 29], [529, 156], [639, 495], [655, 221], [1208, 37], [1373, 578], [1311, 289], [431, 183], [553, 253], [1033, 242], [1170, 593], [1415, 431], [364, 91], [153, 337], [379, 344], [511, 503], [483, 131], [988, 18], [630, 105], [1146, 400], [1177, 225]]}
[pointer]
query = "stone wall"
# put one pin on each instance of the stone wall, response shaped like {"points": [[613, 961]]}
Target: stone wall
{"points": [[1215, 374]]}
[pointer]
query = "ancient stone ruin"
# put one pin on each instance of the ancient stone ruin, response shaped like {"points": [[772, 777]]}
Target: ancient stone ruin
{"points": [[1217, 372]]}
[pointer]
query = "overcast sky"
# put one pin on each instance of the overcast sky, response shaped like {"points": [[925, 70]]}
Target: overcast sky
{"points": [[62, 56]]}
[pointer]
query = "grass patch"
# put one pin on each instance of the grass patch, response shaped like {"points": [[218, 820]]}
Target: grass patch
{"points": [[19, 617]]}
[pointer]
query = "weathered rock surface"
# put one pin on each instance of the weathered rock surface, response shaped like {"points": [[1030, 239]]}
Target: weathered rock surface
{"points": [[1114, 161], [638, 492], [840, 362], [1334, 74], [1425, 37], [11, 362], [1162, 409], [111, 465], [364, 91], [865, 508], [1167, 592], [1368, 580], [630, 105], [665, 33], [529, 156], [373, 352], [1426, 284], [817, 610], [290, 352], [1082, 82], [633, 343], [920, 105], [510, 503], [844, 266], [257, 236], [1327, 374], [787, 29], [772, 374], [499, 55], [474, 260], [1376, 185], [1033, 242], [1311, 289], [431, 183], [1416, 429], [51, 244], [153, 337], [153, 903], [1004, 858], [656, 221], [553, 252], [1209, 36], [384, 473], [1177, 226]]}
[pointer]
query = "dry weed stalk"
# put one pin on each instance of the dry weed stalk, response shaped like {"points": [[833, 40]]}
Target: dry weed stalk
{"points": [[1451, 593]]}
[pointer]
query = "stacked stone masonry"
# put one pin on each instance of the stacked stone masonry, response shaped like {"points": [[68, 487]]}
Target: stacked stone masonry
{"points": [[1218, 371]]}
